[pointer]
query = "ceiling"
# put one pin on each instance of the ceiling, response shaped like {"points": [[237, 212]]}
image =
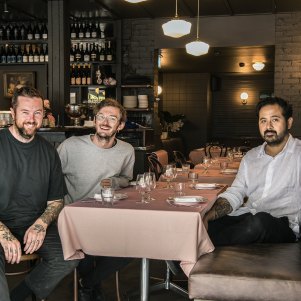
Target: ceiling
{"points": [[120, 9]]}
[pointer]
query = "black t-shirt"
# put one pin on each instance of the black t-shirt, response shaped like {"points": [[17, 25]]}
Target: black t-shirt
{"points": [[30, 175]]}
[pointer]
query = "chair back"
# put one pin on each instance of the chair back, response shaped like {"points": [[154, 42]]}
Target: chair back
{"points": [[155, 166]]}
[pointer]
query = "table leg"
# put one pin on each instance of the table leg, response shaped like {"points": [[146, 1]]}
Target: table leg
{"points": [[144, 279]]}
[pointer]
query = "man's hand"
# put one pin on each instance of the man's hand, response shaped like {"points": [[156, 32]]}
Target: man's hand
{"points": [[11, 246], [34, 237]]}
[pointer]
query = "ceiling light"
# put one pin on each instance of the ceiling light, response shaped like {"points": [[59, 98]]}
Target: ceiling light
{"points": [[176, 28], [258, 66], [5, 8], [197, 47], [134, 1]]}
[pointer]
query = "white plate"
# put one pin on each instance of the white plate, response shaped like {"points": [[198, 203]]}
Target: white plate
{"points": [[189, 199], [205, 186], [120, 196], [229, 171]]}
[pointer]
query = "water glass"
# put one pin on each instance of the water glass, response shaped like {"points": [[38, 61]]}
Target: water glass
{"points": [[185, 168], [170, 173], [143, 188], [223, 166], [108, 196], [179, 187], [206, 163], [193, 177]]}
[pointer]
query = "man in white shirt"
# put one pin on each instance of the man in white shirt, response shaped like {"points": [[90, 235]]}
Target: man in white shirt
{"points": [[263, 205]]}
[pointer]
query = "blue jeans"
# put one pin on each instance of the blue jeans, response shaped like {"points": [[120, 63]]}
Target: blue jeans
{"points": [[248, 228], [48, 272]]}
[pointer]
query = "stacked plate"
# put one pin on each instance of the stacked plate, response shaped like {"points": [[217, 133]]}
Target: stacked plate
{"points": [[130, 101], [143, 101]]}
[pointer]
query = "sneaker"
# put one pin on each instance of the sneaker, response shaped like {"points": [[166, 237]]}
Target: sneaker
{"points": [[85, 294]]}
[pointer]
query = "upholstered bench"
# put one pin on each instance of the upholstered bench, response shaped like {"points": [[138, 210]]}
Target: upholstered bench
{"points": [[259, 272]]}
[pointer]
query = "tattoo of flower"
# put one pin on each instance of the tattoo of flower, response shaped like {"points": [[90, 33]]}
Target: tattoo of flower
{"points": [[51, 212], [39, 228], [221, 207]]}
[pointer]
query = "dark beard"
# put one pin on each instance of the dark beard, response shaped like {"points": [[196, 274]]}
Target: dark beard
{"points": [[22, 133], [278, 138]]}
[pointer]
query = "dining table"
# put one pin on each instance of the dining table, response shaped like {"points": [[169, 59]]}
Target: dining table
{"points": [[162, 229]]}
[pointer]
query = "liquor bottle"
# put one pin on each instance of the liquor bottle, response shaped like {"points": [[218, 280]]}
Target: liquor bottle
{"points": [[84, 76], [109, 55], [36, 55], [30, 54], [19, 55], [98, 75], [78, 55], [88, 32], [13, 56], [42, 54], [72, 53], [80, 31], [2, 55], [78, 76], [88, 75], [94, 31], [8, 32], [93, 53], [2, 32], [16, 32], [87, 53], [29, 33], [46, 54], [73, 33], [36, 32], [25, 55], [72, 75], [102, 54], [44, 31], [23, 32]]}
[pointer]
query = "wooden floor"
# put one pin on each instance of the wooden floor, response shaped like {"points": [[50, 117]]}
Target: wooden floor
{"points": [[129, 282]]}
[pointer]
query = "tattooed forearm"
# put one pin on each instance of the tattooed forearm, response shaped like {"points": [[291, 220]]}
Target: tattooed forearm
{"points": [[221, 207], [5, 233], [39, 228], [51, 212]]}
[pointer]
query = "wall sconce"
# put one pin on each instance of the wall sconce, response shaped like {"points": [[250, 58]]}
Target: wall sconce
{"points": [[258, 66], [159, 91], [244, 97]]}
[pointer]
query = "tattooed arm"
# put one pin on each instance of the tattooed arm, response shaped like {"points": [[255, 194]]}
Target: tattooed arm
{"points": [[35, 234], [220, 208], [11, 246]]}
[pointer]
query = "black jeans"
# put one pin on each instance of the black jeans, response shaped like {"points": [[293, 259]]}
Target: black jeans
{"points": [[93, 269], [48, 272], [248, 228]]}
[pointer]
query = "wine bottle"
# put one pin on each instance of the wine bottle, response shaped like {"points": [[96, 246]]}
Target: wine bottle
{"points": [[102, 53], [25, 55], [23, 32], [30, 54], [2, 32], [72, 53], [8, 54], [78, 55], [72, 75], [44, 31], [78, 76], [84, 76], [88, 32], [73, 34], [46, 54], [88, 74], [109, 55], [13, 56], [2, 55], [8, 32], [98, 75], [42, 54], [87, 53], [36, 32], [80, 31], [19, 55], [36, 55], [16, 32], [29, 33], [93, 53], [93, 31]]}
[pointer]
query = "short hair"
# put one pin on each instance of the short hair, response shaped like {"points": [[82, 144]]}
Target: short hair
{"points": [[27, 92], [110, 102], [287, 109]]}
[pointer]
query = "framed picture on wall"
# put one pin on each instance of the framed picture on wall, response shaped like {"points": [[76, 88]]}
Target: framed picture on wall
{"points": [[12, 80]]}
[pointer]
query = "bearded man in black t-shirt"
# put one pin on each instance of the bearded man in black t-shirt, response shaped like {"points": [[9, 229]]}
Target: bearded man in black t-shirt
{"points": [[31, 197]]}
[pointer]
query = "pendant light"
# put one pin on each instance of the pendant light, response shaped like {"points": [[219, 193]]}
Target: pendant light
{"points": [[197, 47], [134, 1], [176, 27]]}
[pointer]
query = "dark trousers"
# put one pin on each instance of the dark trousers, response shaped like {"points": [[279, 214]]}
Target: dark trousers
{"points": [[48, 272], [248, 228], [93, 269]]}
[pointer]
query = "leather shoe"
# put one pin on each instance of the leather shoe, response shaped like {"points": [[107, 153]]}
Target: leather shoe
{"points": [[85, 294]]}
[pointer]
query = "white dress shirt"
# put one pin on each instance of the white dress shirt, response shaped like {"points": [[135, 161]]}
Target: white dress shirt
{"points": [[272, 184]]}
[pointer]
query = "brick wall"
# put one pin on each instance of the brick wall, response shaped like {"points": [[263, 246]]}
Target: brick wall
{"points": [[288, 63]]}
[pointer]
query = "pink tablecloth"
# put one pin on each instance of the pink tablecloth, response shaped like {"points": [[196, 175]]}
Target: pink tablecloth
{"points": [[156, 230]]}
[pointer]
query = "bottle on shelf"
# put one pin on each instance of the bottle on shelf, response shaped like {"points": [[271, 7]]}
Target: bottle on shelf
{"points": [[36, 55], [88, 31], [25, 55], [19, 55], [2, 55], [46, 53], [42, 54], [72, 75], [2, 32], [72, 53], [30, 54], [13, 56], [109, 55], [83, 76], [87, 53], [44, 32], [94, 33], [16, 32], [36, 32], [78, 54], [78, 75], [93, 53], [102, 54], [8, 32], [98, 76], [80, 31], [88, 74], [23, 32], [29, 33]]}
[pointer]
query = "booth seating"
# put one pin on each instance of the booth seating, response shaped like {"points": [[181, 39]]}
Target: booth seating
{"points": [[258, 272]]}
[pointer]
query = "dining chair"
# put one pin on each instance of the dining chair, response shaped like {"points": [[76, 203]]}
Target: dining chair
{"points": [[155, 166], [181, 159]]}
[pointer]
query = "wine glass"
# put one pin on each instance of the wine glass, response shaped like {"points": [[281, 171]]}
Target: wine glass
{"points": [[143, 188], [170, 173], [150, 179], [206, 163]]}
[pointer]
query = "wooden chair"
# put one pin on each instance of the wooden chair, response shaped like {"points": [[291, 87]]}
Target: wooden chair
{"points": [[180, 159], [155, 166]]}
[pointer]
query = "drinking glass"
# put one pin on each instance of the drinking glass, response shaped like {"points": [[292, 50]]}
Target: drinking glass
{"points": [[230, 155], [223, 166], [206, 163], [143, 188], [170, 173], [179, 187], [151, 183], [107, 196], [193, 176], [185, 168]]}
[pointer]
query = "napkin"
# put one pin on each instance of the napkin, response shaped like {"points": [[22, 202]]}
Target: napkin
{"points": [[187, 199]]}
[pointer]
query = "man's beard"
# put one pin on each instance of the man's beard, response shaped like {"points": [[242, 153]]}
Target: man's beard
{"points": [[105, 137], [22, 131], [277, 139]]}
